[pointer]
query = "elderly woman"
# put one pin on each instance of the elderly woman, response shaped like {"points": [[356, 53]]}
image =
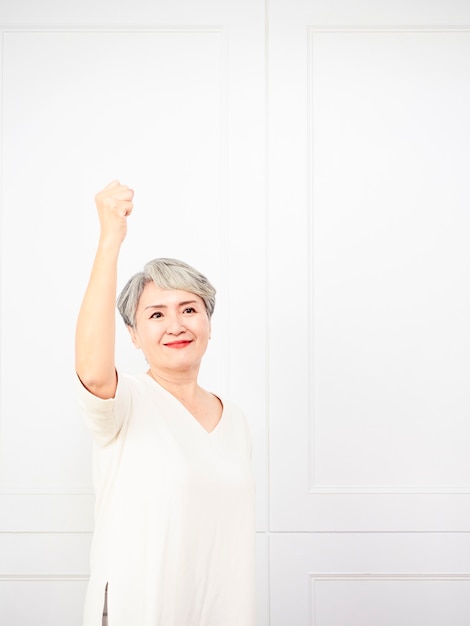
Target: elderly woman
{"points": [[174, 531]]}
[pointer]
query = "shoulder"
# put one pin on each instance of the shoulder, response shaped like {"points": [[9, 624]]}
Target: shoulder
{"points": [[237, 417], [126, 383], [106, 418]]}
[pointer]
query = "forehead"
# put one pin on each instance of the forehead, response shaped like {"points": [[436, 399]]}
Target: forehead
{"points": [[153, 295]]}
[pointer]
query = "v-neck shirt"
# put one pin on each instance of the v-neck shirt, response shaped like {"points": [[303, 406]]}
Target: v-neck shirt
{"points": [[174, 520]]}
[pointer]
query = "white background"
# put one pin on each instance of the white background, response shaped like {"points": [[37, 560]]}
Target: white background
{"points": [[312, 159]]}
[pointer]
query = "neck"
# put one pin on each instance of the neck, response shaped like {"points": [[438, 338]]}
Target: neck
{"points": [[183, 386]]}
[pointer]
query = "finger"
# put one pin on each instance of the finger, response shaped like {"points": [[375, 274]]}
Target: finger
{"points": [[123, 193], [116, 187], [113, 183], [124, 208]]}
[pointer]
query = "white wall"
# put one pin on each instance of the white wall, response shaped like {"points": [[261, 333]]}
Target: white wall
{"points": [[312, 159]]}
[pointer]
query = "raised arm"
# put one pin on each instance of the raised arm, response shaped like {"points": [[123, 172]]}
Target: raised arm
{"points": [[95, 332]]}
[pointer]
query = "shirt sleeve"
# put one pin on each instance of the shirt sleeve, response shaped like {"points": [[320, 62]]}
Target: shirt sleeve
{"points": [[106, 419]]}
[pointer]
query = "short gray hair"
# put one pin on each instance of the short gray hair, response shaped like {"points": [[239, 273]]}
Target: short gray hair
{"points": [[166, 274]]}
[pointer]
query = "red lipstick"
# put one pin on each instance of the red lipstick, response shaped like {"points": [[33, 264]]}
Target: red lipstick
{"points": [[178, 344]]}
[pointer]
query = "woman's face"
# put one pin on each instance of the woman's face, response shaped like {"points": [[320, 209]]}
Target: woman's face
{"points": [[172, 329]]}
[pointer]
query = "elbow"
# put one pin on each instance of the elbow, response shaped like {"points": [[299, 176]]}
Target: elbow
{"points": [[103, 387]]}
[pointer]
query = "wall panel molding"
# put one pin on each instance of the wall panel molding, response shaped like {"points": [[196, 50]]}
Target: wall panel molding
{"points": [[42, 578], [366, 607], [216, 365], [315, 485]]}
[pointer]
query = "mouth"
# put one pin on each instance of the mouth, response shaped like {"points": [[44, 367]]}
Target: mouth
{"points": [[178, 345]]}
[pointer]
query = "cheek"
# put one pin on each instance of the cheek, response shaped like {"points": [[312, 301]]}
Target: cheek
{"points": [[142, 336], [208, 332], [205, 327]]}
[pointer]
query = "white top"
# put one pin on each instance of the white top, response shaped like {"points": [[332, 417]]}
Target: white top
{"points": [[174, 520]]}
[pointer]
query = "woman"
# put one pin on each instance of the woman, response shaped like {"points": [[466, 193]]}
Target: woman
{"points": [[174, 531]]}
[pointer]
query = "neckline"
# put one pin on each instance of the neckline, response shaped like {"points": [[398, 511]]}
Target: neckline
{"points": [[194, 419]]}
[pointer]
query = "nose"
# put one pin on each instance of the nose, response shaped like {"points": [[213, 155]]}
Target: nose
{"points": [[175, 325]]}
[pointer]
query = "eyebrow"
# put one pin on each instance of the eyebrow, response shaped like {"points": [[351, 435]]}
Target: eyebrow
{"points": [[164, 306]]}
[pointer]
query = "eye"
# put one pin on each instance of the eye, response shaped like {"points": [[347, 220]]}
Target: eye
{"points": [[189, 309], [156, 315]]}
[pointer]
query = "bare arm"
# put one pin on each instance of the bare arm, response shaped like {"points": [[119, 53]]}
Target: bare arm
{"points": [[95, 331]]}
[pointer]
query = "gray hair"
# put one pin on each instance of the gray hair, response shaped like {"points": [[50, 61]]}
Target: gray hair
{"points": [[166, 274]]}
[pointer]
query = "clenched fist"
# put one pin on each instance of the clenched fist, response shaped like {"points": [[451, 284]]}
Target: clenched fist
{"points": [[114, 204]]}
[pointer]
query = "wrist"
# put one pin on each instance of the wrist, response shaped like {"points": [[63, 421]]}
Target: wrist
{"points": [[110, 243]]}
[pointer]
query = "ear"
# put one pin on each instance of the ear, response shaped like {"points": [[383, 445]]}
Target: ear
{"points": [[134, 337]]}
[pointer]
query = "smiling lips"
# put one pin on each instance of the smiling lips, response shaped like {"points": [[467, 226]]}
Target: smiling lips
{"points": [[178, 344]]}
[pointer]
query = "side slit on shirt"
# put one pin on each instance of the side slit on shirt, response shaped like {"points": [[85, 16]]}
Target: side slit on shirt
{"points": [[105, 607]]}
